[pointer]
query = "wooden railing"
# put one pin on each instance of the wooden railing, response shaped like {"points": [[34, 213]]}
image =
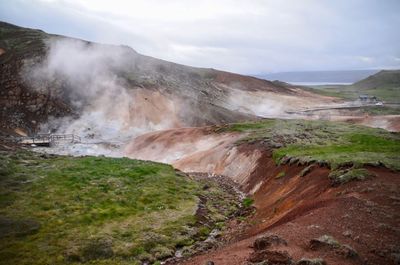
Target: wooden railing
{"points": [[50, 139]]}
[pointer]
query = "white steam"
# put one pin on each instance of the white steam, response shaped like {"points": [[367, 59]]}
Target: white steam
{"points": [[88, 76], [262, 104]]}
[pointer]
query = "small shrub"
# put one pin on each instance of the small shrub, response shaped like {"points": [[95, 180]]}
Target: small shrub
{"points": [[247, 202], [339, 177], [204, 231], [280, 175]]}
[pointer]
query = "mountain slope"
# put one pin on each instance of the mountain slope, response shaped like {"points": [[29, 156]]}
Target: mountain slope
{"points": [[385, 85], [382, 79], [104, 88]]}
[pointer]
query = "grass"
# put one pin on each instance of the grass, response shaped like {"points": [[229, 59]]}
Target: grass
{"points": [[381, 110], [59, 210], [385, 85], [386, 93], [247, 202], [333, 142], [343, 176], [280, 175]]}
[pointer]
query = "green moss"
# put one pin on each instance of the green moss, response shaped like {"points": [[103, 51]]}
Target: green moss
{"points": [[129, 207], [280, 175], [250, 126], [359, 148], [203, 232], [347, 175], [102, 210], [334, 142], [247, 202]]}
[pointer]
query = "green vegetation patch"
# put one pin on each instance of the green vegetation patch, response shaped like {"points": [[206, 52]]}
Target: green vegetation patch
{"points": [[332, 142], [280, 175], [55, 210], [247, 202], [381, 110], [339, 177]]}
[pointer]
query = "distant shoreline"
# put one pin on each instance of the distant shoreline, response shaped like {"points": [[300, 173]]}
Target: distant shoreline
{"points": [[318, 83]]}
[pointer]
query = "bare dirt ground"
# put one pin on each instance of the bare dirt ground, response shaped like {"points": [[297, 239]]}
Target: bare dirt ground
{"points": [[361, 216]]}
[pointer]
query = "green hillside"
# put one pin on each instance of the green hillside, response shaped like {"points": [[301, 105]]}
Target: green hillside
{"points": [[97, 210], [331, 143], [385, 85]]}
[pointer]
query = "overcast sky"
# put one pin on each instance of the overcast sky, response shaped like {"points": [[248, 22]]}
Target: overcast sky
{"points": [[249, 37]]}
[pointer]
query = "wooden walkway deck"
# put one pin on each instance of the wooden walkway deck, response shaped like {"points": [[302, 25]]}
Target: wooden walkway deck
{"points": [[50, 139]]}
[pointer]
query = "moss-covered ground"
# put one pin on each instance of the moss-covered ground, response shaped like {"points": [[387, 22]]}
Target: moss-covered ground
{"points": [[333, 142], [96, 210]]}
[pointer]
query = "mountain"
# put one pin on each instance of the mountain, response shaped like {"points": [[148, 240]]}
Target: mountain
{"points": [[348, 76], [55, 83], [382, 79], [384, 85]]}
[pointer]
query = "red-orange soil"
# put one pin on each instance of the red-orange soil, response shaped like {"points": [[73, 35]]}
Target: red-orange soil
{"points": [[361, 214]]}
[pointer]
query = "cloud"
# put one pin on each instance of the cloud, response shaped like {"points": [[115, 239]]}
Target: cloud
{"points": [[241, 36]]}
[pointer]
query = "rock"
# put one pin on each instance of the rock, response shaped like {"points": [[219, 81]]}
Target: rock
{"points": [[396, 258], [285, 160], [260, 263], [324, 241], [266, 241], [328, 242], [206, 187], [311, 262], [293, 161], [346, 251], [347, 233], [306, 170], [271, 257], [210, 262]]}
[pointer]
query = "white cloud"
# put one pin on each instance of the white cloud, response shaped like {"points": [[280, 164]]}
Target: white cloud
{"points": [[236, 35]]}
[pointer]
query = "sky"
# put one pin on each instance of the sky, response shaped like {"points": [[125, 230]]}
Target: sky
{"points": [[248, 37]]}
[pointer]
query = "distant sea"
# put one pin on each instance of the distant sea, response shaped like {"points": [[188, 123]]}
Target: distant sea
{"points": [[318, 83], [315, 78]]}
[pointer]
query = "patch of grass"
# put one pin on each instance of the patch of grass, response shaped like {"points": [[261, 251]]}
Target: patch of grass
{"points": [[357, 148], [334, 142], [247, 202], [381, 110], [382, 92], [280, 175], [112, 210], [245, 127], [339, 177]]}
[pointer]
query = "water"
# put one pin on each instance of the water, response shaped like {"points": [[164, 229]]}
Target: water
{"points": [[318, 83]]}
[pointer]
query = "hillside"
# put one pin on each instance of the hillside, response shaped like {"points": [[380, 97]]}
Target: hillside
{"points": [[382, 79], [349, 76], [184, 165], [314, 183], [93, 210], [384, 85], [47, 77]]}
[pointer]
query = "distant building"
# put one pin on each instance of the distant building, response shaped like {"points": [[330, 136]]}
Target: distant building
{"points": [[368, 99]]}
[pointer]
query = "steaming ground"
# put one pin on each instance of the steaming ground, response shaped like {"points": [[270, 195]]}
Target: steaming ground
{"points": [[118, 94]]}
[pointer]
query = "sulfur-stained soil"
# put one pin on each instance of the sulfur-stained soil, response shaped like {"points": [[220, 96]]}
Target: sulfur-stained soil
{"points": [[296, 201], [361, 215]]}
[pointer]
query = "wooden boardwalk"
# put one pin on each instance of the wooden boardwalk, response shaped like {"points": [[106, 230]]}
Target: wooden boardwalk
{"points": [[50, 139]]}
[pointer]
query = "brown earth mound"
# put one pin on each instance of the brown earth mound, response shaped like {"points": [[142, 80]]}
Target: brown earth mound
{"points": [[299, 206]]}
